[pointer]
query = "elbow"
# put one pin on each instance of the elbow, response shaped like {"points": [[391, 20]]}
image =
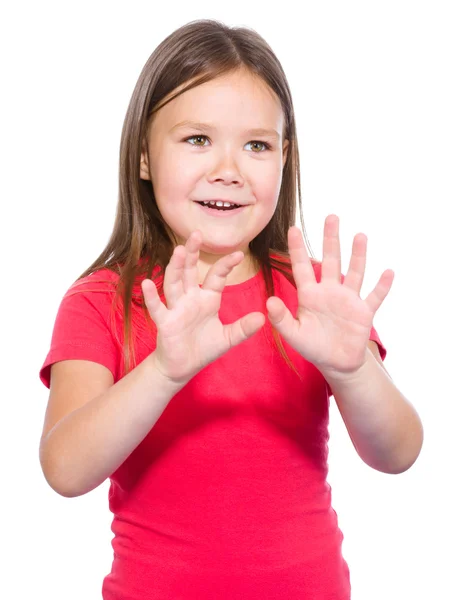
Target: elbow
{"points": [[396, 469], [57, 486], [390, 468], [404, 459], [62, 491], [53, 475]]}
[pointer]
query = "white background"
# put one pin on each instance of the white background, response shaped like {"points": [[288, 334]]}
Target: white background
{"points": [[376, 94]]}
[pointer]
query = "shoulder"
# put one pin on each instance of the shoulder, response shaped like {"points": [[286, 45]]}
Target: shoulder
{"points": [[96, 289], [90, 303], [90, 294], [103, 279]]}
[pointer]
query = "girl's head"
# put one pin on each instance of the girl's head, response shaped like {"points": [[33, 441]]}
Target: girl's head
{"points": [[229, 80]]}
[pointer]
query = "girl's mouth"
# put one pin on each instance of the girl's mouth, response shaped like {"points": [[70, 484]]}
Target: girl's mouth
{"points": [[220, 211]]}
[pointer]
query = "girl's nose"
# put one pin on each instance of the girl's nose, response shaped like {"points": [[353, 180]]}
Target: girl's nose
{"points": [[226, 170]]}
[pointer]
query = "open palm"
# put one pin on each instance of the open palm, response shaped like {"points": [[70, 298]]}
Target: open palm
{"points": [[333, 323]]}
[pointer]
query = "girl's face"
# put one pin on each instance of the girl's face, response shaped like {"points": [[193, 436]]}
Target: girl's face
{"points": [[220, 159]]}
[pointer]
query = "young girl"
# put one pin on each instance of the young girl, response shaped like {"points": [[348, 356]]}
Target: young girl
{"points": [[193, 361]]}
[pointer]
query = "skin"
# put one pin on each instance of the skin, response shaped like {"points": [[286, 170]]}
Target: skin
{"points": [[226, 162]]}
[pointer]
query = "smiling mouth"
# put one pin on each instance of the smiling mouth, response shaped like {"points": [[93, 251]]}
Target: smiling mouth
{"points": [[220, 205]]}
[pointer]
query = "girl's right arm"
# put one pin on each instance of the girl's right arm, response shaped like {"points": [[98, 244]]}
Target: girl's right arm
{"points": [[88, 434], [92, 425]]}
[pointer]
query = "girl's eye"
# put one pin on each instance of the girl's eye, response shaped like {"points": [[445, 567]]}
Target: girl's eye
{"points": [[196, 137], [267, 146], [203, 137]]}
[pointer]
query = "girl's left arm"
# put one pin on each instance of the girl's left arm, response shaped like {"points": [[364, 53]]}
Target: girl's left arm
{"points": [[384, 427], [331, 330]]}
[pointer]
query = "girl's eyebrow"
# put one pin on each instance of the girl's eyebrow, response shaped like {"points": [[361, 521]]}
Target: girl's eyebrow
{"points": [[209, 127]]}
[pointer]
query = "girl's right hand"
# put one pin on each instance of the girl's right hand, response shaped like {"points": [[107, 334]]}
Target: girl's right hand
{"points": [[190, 334]]}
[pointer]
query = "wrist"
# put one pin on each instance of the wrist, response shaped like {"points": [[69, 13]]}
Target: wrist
{"points": [[334, 377], [174, 385]]}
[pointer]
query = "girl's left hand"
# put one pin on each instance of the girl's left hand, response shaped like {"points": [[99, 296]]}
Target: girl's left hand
{"points": [[332, 326]]}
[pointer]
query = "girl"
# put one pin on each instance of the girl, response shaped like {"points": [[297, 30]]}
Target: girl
{"points": [[177, 368]]}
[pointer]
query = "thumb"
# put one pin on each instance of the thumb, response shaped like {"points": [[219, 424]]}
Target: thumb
{"points": [[279, 315], [243, 328]]}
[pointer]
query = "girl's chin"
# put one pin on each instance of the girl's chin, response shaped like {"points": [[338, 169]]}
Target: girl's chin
{"points": [[221, 249]]}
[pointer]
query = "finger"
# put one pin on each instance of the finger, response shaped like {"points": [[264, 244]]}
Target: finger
{"points": [[190, 275], [380, 292], [244, 328], [157, 310], [355, 275], [281, 317], [331, 265], [302, 269], [173, 286], [216, 277]]}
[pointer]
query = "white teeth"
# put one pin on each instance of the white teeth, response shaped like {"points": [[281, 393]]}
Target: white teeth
{"points": [[218, 203]]}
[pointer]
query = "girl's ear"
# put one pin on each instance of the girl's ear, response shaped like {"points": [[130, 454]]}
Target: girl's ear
{"points": [[144, 166]]}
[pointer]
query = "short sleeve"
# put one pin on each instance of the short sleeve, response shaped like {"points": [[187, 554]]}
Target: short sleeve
{"points": [[82, 331]]}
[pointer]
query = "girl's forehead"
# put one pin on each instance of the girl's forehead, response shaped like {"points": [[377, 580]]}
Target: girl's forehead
{"points": [[232, 92], [234, 83]]}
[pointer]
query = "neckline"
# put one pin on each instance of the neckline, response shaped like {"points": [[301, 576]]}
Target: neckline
{"points": [[243, 285], [233, 288]]}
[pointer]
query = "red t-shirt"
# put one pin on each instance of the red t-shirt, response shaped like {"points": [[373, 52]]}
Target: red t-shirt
{"points": [[226, 497]]}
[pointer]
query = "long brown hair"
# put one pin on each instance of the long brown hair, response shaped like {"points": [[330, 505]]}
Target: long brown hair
{"points": [[197, 52]]}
